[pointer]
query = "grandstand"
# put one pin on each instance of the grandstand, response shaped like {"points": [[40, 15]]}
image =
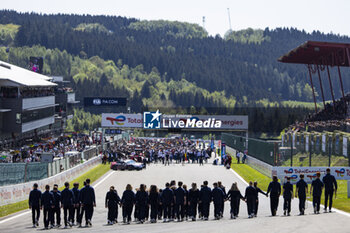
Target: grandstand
{"points": [[320, 57]]}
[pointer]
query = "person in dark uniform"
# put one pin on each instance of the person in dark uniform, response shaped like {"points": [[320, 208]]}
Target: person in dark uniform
{"points": [[160, 206], [35, 204], [316, 190], [67, 197], [154, 199], [287, 196], [57, 207], [200, 215], [76, 203], [201, 158], [205, 199], [128, 201], [136, 211], [186, 206], [275, 191], [173, 212], [47, 203], [167, 199], [235, 196], [258, 190], [218, 198], [147, 206], [117, 207], [300, 191], [330, 187], [180, 200], [141, 200], [82, 209], [193, 199], [225, 196], [111, 202], [250, 198], [88, 202]]}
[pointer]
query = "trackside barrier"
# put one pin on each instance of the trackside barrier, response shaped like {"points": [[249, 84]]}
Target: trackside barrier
{"points": [[262, 150], [258, 165], [19, 192]]}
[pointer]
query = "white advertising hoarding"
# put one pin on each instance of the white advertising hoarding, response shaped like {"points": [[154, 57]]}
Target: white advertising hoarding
{"points": [[234, 122], [345, 146], [323, 142], [121, 120]]}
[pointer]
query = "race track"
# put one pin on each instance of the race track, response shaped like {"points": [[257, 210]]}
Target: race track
{"points": [[159, 174]]}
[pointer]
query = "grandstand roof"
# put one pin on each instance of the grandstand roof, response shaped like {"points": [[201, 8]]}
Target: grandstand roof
{"points": [[319, 53], [11, 75]]}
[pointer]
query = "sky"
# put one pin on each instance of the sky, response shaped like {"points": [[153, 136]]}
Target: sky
{"points": [[325, 16]]}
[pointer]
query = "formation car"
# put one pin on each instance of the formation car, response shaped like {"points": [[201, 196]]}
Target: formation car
{"points": [[127, 165]]}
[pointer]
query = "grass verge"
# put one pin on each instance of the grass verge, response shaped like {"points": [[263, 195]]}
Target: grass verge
{"points": [[342, 202], [94, 174]]}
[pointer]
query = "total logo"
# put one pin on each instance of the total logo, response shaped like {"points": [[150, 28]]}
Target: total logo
{"points": [[119, 120], [340, 172]]}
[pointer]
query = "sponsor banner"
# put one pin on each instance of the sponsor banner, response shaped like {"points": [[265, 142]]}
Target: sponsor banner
{"points": [[121, 120], [235, 122], [340, 173], [156, 120], [104, 101]]}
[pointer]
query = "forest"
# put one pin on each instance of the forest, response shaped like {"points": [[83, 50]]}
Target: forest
{"points": [[169, 64]]}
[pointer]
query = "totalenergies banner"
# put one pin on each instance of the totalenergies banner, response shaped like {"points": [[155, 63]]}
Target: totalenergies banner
{"points": [[121, 120], [340, 173]]}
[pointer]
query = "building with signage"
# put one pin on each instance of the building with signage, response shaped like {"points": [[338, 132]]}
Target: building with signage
{"points": [[27, 104]]}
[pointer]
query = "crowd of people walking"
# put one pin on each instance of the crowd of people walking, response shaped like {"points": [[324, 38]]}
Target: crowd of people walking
{"points": [[174, 202]]}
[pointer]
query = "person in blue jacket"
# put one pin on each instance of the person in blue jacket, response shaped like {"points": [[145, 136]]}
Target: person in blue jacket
{"points": [[235, 197], [180, 199], [57, 207], [274, 189], [47, 204], [128, 201], [193, 199], [250, 198], [330, 187], [316, 191], [167, 198], [111, 202], [35, 204], [154, 199], [218, 197], [76, 203], [205, 199], [67, 200], [141, 200], [88, 202]]}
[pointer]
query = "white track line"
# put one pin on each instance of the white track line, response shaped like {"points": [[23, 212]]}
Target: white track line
{"points": [[28, 211], [103, 179], [334, 209]]}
